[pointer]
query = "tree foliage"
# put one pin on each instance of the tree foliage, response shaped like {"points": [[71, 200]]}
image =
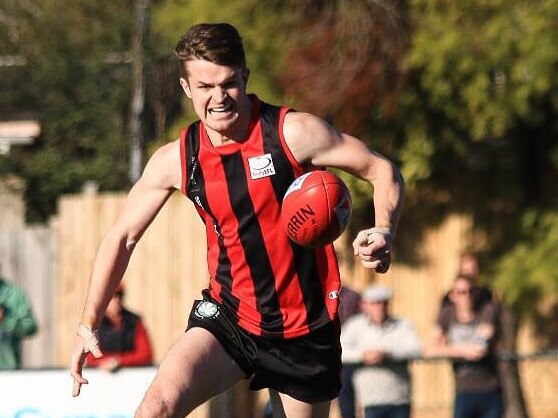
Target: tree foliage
{"points": [[526, 273], [483, 92], [75, 80], [346, 63]]}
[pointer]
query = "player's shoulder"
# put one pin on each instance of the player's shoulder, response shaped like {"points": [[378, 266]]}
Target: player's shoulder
{"points": [[167, 152], [307, 134], [301, 123], [164, 165]]}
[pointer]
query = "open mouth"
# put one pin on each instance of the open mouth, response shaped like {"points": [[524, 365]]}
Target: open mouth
{"points": [[220, 109]]}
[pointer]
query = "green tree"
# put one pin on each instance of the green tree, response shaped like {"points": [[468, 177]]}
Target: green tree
{"points": [[483, 76], [484, 95], [75, 80]]}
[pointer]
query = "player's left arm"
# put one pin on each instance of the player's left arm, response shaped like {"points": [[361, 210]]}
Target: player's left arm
{"points": [[314, 141]]}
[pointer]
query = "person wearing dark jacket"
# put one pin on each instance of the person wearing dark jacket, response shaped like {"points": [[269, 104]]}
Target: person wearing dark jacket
{"points": [[123, 338]]}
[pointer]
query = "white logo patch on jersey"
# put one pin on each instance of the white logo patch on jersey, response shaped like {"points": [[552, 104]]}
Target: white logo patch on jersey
{"points": [[261, 166]]}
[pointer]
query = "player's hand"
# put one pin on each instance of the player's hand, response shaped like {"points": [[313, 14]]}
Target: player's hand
{"points": [[373, 247], [87, 341]]}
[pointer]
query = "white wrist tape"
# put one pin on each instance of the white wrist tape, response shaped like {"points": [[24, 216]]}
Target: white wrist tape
{"points": [[382, 231], [89, 336]]}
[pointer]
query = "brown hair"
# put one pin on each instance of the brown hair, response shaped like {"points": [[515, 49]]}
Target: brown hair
{"points": [[219, 43]]}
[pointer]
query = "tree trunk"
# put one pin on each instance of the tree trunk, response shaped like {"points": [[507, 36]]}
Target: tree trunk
{"points": [[509, 371]]}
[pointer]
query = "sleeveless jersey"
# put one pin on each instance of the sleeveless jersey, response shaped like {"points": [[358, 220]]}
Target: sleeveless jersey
{"points": [[269, 285]]}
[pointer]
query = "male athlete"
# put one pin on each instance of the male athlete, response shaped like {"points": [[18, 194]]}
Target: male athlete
{"points": [[270, 311]]}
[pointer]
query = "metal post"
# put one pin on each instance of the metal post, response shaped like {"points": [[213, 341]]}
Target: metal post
{"points": [[138, 98]]}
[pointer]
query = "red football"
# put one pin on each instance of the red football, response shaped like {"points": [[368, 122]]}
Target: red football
{"points": [[316, 209]]}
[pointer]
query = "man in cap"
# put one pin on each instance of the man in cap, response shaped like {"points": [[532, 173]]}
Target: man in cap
{"points": [[382, 345]]}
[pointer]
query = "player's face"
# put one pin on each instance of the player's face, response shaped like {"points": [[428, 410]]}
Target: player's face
{"points": [[218, 95]]}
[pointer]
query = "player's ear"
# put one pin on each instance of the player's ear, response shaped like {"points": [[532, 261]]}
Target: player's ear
{"points": [[185, 87]]}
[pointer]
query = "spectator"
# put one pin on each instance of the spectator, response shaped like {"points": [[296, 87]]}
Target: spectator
{"points": [[466, 332], [349, 305], [469, 267], [16, 323], [384, 344], [123, 338]]}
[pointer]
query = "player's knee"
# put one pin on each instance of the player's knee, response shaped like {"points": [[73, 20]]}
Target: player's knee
{"points": [[166, 403], [155, 407]]}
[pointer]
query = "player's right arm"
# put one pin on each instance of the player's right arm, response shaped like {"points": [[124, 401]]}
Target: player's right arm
{"points": [[162, 175], [312, 140]]}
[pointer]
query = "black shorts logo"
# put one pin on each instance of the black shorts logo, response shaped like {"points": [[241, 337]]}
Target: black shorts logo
{"points": [[206, 310]]}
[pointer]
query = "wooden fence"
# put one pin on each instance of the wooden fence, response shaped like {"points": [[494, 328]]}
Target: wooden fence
{"points": [[168, 270]]}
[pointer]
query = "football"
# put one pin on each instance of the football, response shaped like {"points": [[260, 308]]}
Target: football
{"points": [[316, 209]]}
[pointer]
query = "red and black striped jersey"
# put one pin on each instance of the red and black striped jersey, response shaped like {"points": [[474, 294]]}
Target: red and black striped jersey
{"points": [[267, 283]]}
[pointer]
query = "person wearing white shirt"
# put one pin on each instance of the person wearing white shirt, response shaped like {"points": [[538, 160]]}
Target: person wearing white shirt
{"points": [[383, 345]]}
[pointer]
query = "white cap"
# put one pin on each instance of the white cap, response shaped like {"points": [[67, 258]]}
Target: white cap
{"points": [[377, 293]]}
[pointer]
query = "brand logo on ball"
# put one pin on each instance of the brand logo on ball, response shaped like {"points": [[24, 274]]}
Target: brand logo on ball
{"points": [[261, 166], [301, 216], [296, 184], [206, 310]]}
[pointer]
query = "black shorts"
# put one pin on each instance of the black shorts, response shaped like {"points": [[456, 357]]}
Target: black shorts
{"points": [[307, 368]]}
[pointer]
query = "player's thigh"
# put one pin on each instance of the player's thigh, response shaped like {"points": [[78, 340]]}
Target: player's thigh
{"points": [[285, 406], [195, 369]]}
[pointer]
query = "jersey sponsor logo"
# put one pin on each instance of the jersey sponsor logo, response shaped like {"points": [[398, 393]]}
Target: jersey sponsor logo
{"points": [[334, 294], [261, 166], [206, 310]]}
